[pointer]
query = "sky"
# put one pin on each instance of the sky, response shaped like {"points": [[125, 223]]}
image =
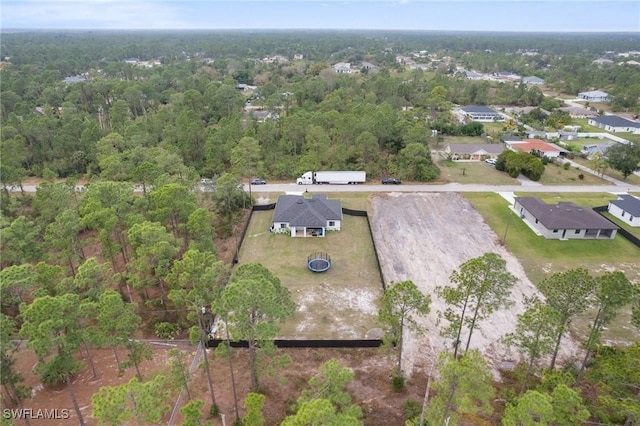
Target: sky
{"points": [[428, 15]]}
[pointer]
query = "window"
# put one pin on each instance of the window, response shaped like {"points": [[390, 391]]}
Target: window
{"points": [[623, 213], [536, 220], [332, 223], [577, 231], [555, 231], [283, 225]]}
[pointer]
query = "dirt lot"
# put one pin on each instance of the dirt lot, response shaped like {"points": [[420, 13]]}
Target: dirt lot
{"points": [[423, 238]]}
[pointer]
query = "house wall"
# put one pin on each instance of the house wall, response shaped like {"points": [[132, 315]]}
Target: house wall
{"points": [[337, 225], [624, 216]]}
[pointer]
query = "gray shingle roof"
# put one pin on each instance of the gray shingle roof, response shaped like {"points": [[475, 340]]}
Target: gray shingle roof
{"points": [[478, 109], [615, 121], [564, 215], [629, 204], [310, 212]]}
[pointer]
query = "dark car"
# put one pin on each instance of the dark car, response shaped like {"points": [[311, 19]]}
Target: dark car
{"points": [[258, 182], [391, 181]]}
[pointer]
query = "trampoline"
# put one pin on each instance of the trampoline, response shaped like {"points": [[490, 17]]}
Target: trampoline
{"points": [[319, 262]]}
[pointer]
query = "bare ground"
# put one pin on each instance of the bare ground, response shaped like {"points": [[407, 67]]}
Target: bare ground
{"points": [[424, 237]]}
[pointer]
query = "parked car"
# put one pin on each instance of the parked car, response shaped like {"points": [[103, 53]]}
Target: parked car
{"points": [[391, 181], [491, 161], [257, 181]]}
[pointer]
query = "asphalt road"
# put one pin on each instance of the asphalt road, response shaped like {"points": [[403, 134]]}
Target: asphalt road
{"points": [[449, 187]]}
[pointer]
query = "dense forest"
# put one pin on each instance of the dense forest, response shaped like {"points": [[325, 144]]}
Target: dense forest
{"points": [[163, 110]]}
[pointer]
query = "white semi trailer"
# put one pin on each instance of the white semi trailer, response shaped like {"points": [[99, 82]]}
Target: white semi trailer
{"points": [[331, 177]]}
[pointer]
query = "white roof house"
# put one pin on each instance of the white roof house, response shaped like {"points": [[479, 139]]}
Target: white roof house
{"points": [[343, 68], [480, 113], [594, 96], [532, 80]]}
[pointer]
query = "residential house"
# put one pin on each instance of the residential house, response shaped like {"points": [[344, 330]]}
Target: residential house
{"points": [[537, 147], [298, 56], [480, 113], [590, 150], [564, 220], [307, 217], [474, 151], [579, 112], [261, 116], [532, 80], [343, 68], [627, 209], [594, 96], [614, 124]]}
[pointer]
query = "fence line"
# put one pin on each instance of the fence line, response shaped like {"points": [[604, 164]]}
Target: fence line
{"points": [[626, 234]]}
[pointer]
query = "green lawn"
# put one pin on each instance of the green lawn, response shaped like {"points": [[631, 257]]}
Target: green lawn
{"points": [[339, 303], [473, 172], [541, 257], [555, 174], [632, 179]]}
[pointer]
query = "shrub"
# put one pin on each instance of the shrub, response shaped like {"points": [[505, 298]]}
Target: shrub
{"points": [[398, 383], [566, 166], [411, 408]]}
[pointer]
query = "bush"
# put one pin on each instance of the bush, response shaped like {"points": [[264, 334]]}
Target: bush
{"points": [[411, 409], [566, 166], [398, 383]]}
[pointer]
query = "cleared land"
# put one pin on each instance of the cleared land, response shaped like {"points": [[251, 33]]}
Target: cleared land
{"points": [[423, 238]]}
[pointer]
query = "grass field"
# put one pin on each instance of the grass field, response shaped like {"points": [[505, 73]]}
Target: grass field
{"points": [[338, 304], [541, 257], [555, 174], [473, 172], [632, 179]]}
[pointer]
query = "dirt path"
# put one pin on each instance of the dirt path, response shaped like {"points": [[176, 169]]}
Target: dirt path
{"points": [[423, 237]]}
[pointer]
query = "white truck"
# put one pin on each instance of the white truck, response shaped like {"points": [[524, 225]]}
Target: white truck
{"points": [[327, 177]]}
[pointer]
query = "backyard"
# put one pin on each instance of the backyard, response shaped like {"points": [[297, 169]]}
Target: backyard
{"points": [[340, 303]]}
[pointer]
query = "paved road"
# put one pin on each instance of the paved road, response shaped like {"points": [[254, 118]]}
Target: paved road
{"points": [[449, 187]]}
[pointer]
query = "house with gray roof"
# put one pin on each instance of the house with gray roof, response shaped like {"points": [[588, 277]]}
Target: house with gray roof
{"points": [[594, 96], [579, 112], [563, 221], [627, 209], [474, 151], [480, 113], [532, 80], [588, 151], [307, 217], [615, 124]]}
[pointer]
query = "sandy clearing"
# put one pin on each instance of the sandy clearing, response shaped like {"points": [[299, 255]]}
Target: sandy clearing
{"points": [[423, 237]]}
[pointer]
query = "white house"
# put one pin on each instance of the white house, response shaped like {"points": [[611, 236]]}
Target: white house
{"points": [[563, 221], [532, 80], [615, 124], [474, 151], [537, 147], [307, 217], [627, 209], [343, 68], [594, 96], [480, 113]]}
